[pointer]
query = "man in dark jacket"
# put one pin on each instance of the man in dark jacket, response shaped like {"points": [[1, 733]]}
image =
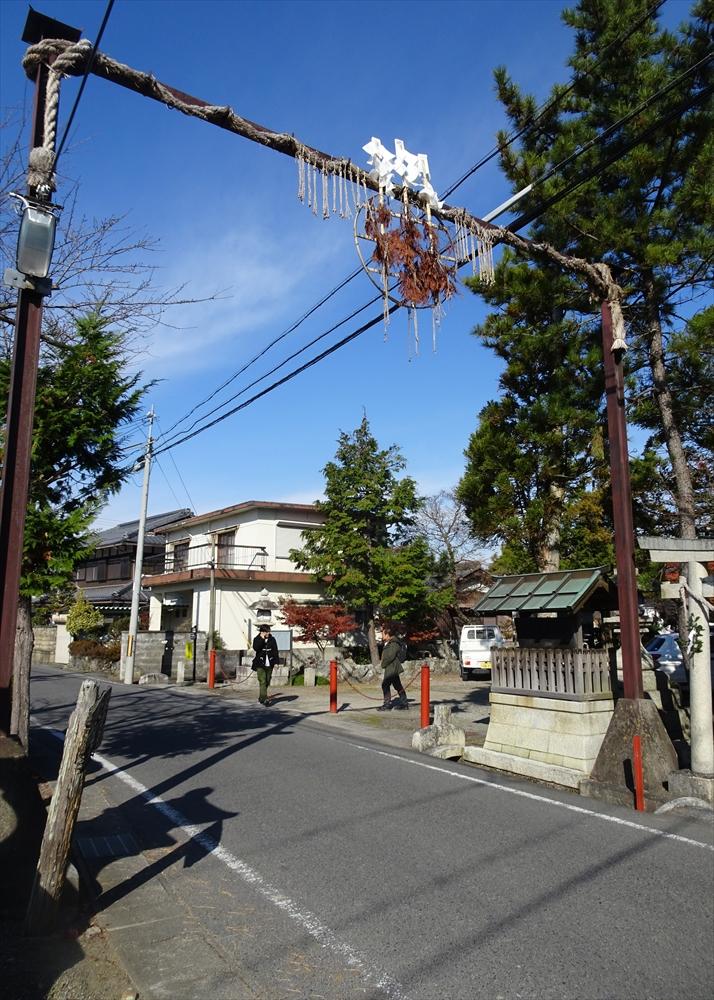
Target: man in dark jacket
{"points": [[392, 657], [266, 657]]}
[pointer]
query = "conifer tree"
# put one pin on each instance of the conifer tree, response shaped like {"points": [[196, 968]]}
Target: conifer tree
{"points": [[367, 551], [646, 215]]}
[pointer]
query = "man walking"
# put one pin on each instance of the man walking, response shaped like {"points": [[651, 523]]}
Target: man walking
{"points": [[266, 657]]}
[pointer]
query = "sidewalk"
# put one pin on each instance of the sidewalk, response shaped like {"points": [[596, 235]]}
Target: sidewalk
{"points": [[357, 706], [165, 951]]}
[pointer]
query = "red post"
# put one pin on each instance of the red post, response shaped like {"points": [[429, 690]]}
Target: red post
{"points": [[638, 775], [333, 685], [212, 669], [425, 696]]}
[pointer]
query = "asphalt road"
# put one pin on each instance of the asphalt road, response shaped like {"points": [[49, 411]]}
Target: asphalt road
{"points": [[352, 868]]}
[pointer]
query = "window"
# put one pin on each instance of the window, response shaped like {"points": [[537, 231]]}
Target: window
{"points": [[288, 536], [96, 572], [80, 573], [115, 569], [226, 554], [180, 560]]}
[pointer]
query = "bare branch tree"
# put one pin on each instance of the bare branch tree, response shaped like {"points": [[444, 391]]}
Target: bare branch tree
{"points": [[98, 264]]}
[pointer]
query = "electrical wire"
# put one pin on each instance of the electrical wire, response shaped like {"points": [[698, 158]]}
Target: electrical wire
{"points": [[185, 488], [553, 102], [674, 112], [544, 108], [90, 63], [269, 346], [281, 364]]}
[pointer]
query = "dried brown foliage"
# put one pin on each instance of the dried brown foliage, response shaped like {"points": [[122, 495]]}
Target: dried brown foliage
{"points": [[409, 250]]}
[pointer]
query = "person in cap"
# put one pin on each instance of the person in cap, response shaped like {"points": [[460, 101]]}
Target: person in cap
{"points": [[266, 657]]}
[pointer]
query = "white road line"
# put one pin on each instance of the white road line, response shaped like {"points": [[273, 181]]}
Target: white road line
{"points": [[369, 974], [618, 821]]}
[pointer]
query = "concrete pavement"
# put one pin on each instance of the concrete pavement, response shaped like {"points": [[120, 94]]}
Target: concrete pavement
{"points": [[155, 910]]}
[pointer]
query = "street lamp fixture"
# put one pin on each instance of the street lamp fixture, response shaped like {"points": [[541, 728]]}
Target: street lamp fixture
{"points": [[35, 245]]}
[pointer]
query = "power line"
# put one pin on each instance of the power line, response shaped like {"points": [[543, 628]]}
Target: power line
{"points": [[674, 112], [553, 102], [290, 357], [519, 223], [268, 347], [545, 107], [286, 378], [185, 488], [90, 63]]}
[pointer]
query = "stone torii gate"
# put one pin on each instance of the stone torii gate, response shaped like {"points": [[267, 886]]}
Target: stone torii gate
{"points": [[696, 587]]}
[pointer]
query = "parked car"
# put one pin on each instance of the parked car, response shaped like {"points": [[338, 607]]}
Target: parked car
{"points": [[475, 647], [667, 656]]}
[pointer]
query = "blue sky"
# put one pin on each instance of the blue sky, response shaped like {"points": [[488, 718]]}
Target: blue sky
{"points": [[227, 218]]}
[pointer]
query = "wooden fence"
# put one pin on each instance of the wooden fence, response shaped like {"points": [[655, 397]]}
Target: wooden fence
{"points": [[552, 673]]}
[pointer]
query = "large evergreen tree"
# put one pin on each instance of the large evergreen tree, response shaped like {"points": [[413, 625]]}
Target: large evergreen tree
{"points": [[645, 214], [367, 550], [84, 399]]}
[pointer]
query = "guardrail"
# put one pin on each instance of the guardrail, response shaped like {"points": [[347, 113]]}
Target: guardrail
{"points": [[577, 674], [182, 559]]}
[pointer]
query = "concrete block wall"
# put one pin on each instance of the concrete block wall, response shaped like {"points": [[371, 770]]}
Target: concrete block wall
{"points": [[565, 733]]}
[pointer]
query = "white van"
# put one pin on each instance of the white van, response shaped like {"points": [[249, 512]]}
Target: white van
{"points": [[475, 648]]}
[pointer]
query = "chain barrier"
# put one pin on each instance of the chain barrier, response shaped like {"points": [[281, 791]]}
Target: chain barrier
{"points": [[344, 679]]}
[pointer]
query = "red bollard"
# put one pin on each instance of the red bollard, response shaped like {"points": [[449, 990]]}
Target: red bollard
{"points": [[638, 775], [212, 668], [333, 685], [425, 697]]}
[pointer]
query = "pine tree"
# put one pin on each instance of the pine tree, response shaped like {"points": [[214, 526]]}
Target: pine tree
{"points": [[646, 213]]}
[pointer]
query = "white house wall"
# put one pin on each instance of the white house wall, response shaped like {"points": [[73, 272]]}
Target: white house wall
{"points": [[257, 528]]}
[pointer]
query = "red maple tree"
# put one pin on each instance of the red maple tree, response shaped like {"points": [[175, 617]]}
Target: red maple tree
{"points": [[318, 623]]}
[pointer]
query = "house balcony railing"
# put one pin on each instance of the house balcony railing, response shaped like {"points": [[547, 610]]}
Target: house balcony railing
{"points": [[184, 559], [575, 674]]}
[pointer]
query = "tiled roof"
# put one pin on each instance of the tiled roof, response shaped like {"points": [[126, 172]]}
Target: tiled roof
{"points": [[128, 530], [566, 590]]}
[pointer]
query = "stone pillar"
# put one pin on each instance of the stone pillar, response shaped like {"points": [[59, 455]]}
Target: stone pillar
{"points": [[309, 675]]}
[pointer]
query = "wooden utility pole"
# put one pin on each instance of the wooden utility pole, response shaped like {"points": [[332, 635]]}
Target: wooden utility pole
{"points": [[84, 734]]}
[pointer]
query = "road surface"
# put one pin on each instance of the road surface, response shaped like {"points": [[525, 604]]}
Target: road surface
{"points": [[325, 865]]}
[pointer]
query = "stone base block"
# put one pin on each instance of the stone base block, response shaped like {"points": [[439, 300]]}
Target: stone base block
{"points": [[450, 751], [684, 784], [612, 776], [526, 766], [555, 731], [442, 734]]}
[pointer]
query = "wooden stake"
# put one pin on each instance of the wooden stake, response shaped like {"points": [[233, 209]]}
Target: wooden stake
{"points": [[84, 734]]}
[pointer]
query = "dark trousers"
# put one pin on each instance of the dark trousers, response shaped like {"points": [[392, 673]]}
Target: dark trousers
{"points": [[264, 675], [394, 682]]}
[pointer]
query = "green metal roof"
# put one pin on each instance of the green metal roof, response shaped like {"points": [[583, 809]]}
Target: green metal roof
{"points": [[566, 590]]}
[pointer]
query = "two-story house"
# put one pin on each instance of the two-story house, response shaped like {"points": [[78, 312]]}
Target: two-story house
{"points": [[107, 576], [236, 561]]}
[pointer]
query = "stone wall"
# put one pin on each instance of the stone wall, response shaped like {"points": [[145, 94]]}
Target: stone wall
{"points": [[159, 653]]}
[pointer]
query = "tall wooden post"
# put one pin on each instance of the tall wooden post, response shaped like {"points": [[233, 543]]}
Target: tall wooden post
{"points": [[622, 512]]}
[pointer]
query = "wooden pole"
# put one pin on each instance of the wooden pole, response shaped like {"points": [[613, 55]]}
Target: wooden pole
{"points": [[84, 734]]}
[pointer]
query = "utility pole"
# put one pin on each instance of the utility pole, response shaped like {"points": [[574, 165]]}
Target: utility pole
{"points": [[21, 401], [138, 563]]}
